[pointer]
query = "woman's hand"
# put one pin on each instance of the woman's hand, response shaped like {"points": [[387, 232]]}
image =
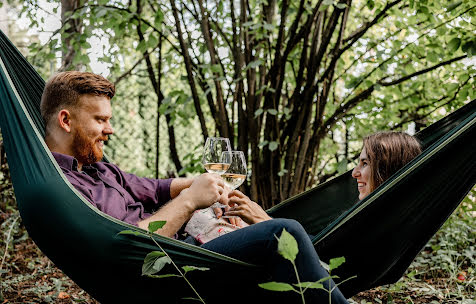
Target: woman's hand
{"points": [[219, 212], [242, 206]]}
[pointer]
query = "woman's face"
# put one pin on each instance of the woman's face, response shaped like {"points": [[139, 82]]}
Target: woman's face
{"points": [[362, 174]]}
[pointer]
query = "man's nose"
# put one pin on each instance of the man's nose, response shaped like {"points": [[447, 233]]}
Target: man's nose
{"points": [[109, 129]]}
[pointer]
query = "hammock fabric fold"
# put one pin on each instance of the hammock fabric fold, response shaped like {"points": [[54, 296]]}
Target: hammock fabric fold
{"points": [[379, 236]]}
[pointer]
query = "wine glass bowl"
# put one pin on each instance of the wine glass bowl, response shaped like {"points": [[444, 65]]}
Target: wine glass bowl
{"points": [[214, 159], [236, 173]]}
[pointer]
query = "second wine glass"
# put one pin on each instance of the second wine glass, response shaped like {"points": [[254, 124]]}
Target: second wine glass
{"points": [[236, 173]]}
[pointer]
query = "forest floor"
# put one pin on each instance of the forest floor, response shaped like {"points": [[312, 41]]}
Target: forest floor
{"points": [[444, 272]]}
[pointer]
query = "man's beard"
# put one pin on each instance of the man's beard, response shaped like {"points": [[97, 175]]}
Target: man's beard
{"points": [[85, 149]]}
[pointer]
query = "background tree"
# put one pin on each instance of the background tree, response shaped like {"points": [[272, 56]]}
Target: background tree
{"points": [[294, 84]]}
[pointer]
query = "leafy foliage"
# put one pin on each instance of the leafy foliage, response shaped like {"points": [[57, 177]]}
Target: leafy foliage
{"points": [[295, 85], [288, 249]]}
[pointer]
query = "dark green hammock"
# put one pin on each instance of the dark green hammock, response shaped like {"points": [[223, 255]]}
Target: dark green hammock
{"points": [[379, 236]]}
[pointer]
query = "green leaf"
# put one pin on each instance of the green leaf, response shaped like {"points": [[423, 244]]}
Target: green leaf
{"points": [[101, 12], [272, 111], [161, 276], [149, 262], [352, 82], [85, 45], [273, 145], [287, 246], [277, 286], [190, 298], [262, 144], [258, 112], [432, 57], [161, 262], [282, 172], [453, 5], [152, 42], [342, 166], [154, 226], [142, 46], [470, 48], [370, 4], [341, 5], [268, 26], [131, 232], [454, 44], [452, 86], [215, 68], [159, 17], [192, 268], [314, 285], [220, 7], [254, 64], [336, 262]]}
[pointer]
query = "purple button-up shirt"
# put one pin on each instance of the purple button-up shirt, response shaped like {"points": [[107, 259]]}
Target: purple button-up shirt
{"points": [[122, 195]]}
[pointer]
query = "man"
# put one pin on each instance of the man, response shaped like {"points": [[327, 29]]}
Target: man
{"points": [[77, 111]]}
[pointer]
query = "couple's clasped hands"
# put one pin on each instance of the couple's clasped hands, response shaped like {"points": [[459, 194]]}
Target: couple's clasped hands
{"points": [[209, 188]]}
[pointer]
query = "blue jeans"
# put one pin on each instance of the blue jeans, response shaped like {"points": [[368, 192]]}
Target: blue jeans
{"points": [[257, 244]]}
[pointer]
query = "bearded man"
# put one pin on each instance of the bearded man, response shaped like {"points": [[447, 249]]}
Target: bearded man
{"points": [[76, 108]]}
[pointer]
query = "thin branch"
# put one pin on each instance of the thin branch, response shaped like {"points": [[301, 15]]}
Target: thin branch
{"points": [[188, 66], [128, 72], [359, 33], [357, 36], [400, 80], [340, 112]]}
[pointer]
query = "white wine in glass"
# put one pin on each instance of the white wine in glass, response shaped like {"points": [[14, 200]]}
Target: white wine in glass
{"points": [[233, 180], [236, 173], [214, 160], [218, 168]]}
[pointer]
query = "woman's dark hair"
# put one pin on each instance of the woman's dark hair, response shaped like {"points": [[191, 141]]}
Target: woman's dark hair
{"points": [[387, 153]]}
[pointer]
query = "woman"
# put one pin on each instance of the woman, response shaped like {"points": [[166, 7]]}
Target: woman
{"points": [[382, 155]]}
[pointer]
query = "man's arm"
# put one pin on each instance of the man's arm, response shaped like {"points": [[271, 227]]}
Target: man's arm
{"points": [[178, 184], [204, 191]]}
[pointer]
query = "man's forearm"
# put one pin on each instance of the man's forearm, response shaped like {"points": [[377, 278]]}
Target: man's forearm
{"points": [[178, 184], [175, 213]]}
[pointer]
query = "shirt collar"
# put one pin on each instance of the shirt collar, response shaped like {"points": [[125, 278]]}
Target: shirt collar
{"points": [[66, 161]]}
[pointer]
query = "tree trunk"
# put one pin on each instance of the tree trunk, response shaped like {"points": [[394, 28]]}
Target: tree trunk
{"points": [[73, 27]]}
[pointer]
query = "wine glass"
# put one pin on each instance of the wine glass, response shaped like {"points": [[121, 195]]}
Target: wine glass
{"points": [[214, 158], [236, 173]]}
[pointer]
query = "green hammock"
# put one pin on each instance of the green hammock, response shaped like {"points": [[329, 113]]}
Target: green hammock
{"points": [[379, 236]]}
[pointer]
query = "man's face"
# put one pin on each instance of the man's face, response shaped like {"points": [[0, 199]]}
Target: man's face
{"points": [[91, 127]]}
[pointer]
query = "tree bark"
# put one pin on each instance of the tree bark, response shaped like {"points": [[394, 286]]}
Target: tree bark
{"points": [[73, 27]]}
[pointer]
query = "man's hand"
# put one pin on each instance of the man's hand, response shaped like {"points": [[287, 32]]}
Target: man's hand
{"points": [[204, 191], [245, 208]]}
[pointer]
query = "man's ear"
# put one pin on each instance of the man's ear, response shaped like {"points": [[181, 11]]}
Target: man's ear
{"points": [[64, 120]]}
